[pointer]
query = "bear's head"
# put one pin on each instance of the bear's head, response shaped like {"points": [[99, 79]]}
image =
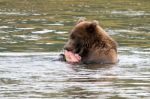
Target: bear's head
{"points": [[82, 37]]}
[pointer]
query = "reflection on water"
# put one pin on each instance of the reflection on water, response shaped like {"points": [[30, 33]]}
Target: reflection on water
{"points": [[32, 34]]}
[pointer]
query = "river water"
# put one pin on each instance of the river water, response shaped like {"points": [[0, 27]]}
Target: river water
{"points": [[32, 35]]}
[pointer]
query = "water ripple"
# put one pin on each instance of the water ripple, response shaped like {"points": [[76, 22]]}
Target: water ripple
{"points": [[43, 31]]}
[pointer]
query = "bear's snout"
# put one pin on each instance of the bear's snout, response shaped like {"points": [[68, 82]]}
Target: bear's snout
{"points": [[68, 48]]}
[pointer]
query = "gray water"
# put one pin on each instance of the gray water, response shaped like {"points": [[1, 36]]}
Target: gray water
{"points": [[33, 33]]}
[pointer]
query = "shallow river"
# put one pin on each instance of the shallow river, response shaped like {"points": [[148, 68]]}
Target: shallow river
{"points": [[32, 35]]}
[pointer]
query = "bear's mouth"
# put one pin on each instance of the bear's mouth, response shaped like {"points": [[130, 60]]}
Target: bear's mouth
{"points": [[78, 49], [75, 51], [82, 52]]}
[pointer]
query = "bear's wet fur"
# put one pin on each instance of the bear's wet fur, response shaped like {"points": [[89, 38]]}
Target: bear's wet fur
{"points": [[92, 43]]}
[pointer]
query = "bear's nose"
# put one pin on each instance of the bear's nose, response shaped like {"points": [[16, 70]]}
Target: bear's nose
{"points": [[68, 48]]}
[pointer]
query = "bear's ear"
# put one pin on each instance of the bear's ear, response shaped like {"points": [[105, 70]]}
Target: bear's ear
{"points": [[92, 26], [95, 22], [80, 20]]}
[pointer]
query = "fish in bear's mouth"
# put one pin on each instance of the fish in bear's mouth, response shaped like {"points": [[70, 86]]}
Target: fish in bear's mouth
{"points": [[72, 57], [76, 50]]}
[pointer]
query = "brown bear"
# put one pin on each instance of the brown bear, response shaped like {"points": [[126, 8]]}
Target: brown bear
{"points": [[88, 40]]}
